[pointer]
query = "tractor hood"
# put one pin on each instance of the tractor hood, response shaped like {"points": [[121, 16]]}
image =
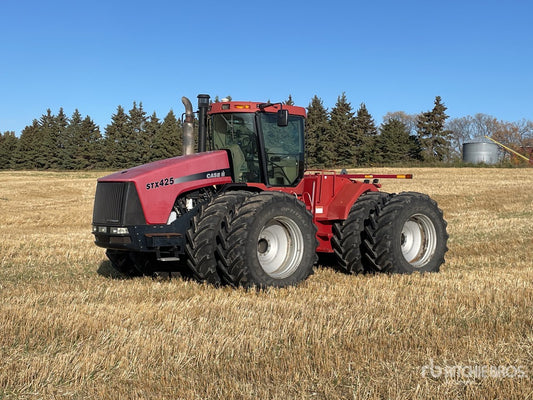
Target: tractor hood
{"points": [[159, 183]]}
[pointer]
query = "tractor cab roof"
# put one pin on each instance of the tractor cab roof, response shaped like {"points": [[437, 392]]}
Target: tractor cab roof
{"points": [[250, 106]]}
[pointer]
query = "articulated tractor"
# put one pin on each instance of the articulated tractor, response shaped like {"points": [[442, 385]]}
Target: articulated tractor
{"points": [[243, 211]]}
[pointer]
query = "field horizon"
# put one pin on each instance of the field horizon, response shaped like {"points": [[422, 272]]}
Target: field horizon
{"points": [[71, 328]]}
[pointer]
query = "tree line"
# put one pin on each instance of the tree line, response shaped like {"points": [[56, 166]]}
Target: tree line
{"points": [[343, 137], [340, 137], [59, 142]]}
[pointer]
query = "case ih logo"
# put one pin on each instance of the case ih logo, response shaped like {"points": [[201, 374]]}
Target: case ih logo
{"points": [[215, 174]]}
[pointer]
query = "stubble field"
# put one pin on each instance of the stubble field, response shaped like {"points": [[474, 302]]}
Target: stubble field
{"points": [[69, 329]]}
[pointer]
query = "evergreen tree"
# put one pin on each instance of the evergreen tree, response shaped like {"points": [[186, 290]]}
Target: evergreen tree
{"points": [[168, 139], [47, 151], [8, 149], [318, 146], [408, 119], [115, 147], [137, 141], [394, 142], [434, 138], [342, 133], [151, 127], [60, 127], [365, 136], [29, 147], [289, 101], [72, 138], [415, 149], [90, 143], [52, 130]]}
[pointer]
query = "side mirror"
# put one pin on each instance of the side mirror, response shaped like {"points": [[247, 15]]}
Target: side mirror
{"points": [[283, 117]]}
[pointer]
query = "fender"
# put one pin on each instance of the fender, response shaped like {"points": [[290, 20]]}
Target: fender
{"points": [[159, 183], [344, 199]]}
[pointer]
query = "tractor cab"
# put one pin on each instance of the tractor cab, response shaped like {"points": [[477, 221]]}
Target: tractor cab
{"points": [[265, 141]]}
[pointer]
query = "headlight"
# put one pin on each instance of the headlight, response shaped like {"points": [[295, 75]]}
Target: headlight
{"points": [[119, 231]]}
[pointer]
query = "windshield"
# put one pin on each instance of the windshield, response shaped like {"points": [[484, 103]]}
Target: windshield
{"points": [[284, 147]]}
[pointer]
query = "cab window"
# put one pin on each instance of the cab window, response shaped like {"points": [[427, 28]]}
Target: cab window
{"points": [[236, 133], [284, 147]]}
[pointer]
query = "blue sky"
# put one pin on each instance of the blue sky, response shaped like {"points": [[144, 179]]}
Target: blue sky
{"points": [[391, 55]]}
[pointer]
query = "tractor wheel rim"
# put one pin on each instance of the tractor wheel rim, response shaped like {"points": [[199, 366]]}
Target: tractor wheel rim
{"points": [[280, 247], [419, 240]]}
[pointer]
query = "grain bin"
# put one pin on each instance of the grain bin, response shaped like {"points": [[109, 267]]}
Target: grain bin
{"points": [[481, 152]]}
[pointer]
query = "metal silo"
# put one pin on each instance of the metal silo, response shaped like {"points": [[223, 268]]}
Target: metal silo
{"points": [[481, 152]]}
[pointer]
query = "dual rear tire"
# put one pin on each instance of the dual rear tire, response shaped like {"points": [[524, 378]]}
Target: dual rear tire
{"points": [[400, 233], [409, 235], [349, 235]]}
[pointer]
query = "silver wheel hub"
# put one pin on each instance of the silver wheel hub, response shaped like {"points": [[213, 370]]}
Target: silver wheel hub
{"points": [[419, 240], [280, 247]]}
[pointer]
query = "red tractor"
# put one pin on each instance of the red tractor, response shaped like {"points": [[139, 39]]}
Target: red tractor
{"points": [[246, 213]]}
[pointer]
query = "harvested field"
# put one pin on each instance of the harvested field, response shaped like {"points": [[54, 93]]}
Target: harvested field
{"points": [[69, 329]]}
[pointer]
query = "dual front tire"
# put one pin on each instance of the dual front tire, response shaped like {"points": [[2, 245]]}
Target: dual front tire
{"points": [[253, 240], [270, 242], [205, 235]]}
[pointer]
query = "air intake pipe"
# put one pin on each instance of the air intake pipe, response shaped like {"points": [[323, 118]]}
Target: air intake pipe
{"points": [[188, 127], [203, 105]]}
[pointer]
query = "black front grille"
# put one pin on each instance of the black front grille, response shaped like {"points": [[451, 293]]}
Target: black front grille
{"points": [[117, 204], [109, 203]]}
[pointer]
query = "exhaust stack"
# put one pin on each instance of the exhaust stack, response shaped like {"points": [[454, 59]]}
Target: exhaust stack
{"points": [[203, 105], [188, 127]]}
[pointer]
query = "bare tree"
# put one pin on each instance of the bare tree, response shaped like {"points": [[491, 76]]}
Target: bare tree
{"points": [[511, 134], [463, 131], [409, 120]]}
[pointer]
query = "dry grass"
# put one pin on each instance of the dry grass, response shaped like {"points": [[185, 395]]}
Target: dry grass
{"points": [[68, 332]]}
